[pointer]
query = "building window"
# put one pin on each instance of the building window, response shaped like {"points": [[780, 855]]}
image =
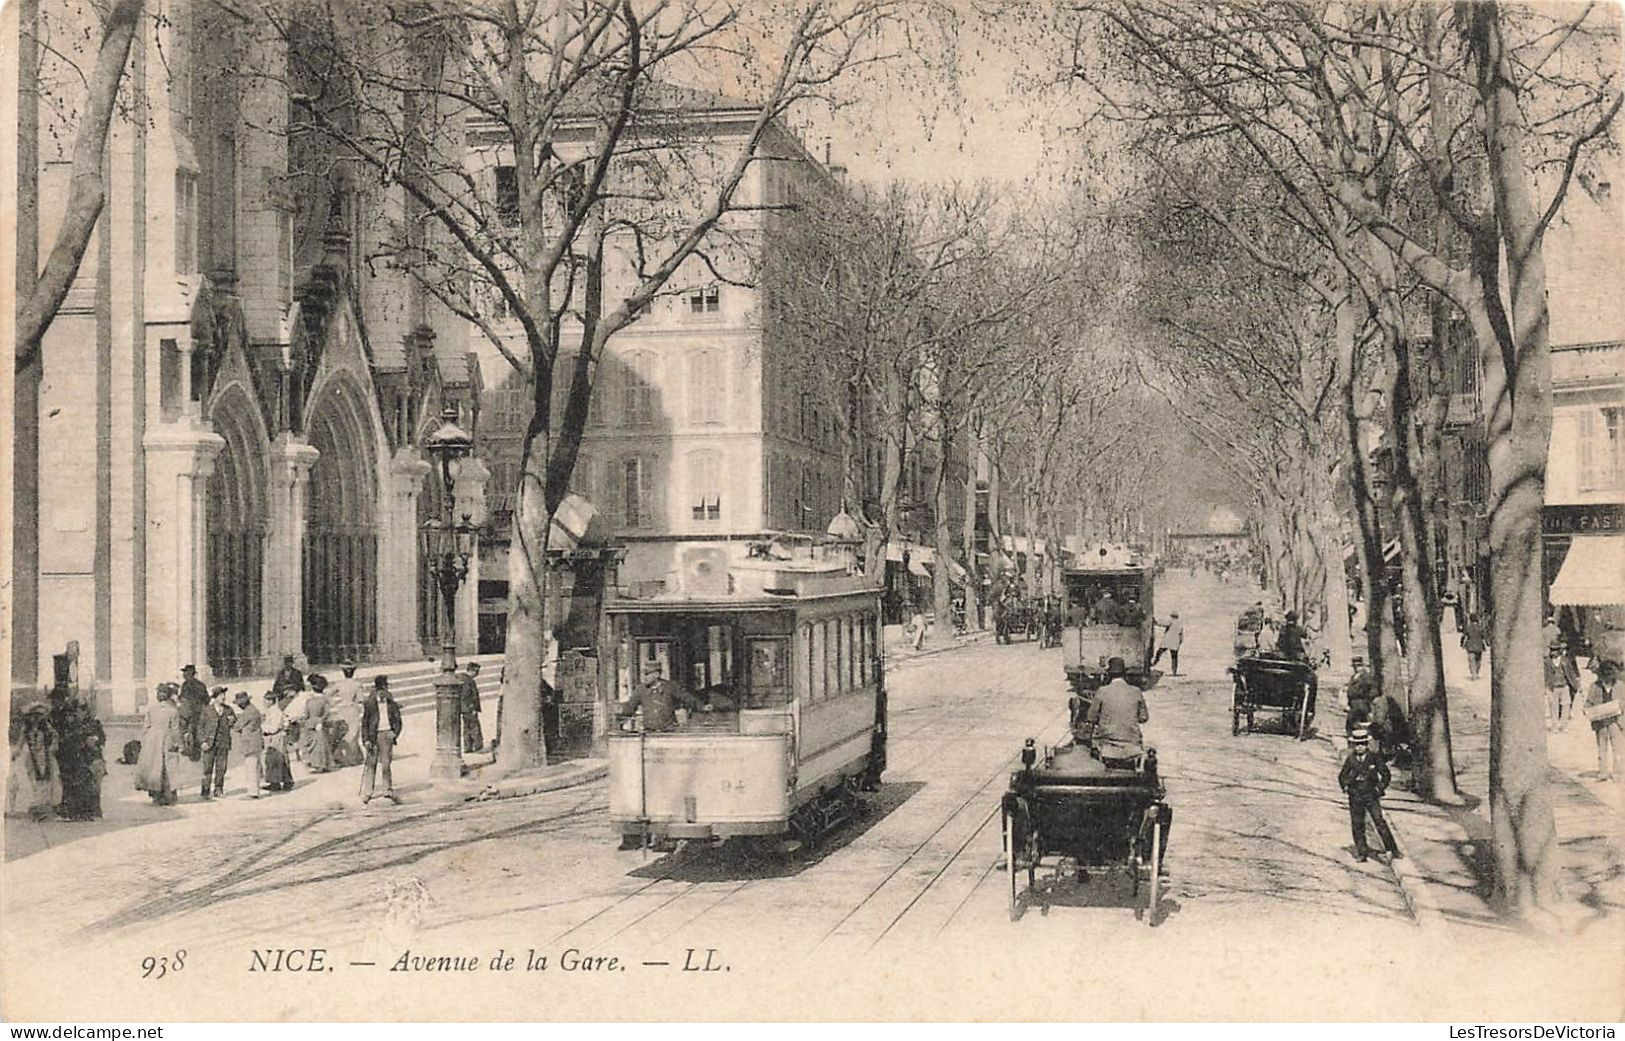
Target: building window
{"points": [[705, 387], [284, 257], [507, 193], [638, 392], [704, 301], [804, 504], [581, 478], [635, 492], [705, 485], [185, 222], [1599, 449]]}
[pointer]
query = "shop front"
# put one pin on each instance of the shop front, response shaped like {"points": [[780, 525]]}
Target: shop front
{"points": [[1583, 570]]}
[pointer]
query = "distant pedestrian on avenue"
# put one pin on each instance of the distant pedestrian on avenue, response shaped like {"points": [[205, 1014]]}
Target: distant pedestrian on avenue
{"points": [[1602, 708], [251, 741], [469, 707], [380, 729], [1557, 691], [160, 740], [316, 747], [1173, 635], [214, 730], [274, 726], [194, 696], [1474, 642], [1364, 778]]}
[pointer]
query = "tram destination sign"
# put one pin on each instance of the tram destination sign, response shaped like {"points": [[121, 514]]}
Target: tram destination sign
{"points": [[1606, 518]]}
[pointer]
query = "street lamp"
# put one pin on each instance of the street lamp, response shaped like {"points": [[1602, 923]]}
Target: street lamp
{"points": [[449, 544]]}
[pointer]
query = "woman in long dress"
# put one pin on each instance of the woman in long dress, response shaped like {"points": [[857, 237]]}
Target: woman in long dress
{"points": [[317, 750], [278, 776], [80, 756], [36, 783], [160, 740]]}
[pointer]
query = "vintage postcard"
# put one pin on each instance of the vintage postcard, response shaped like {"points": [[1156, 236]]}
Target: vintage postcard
{"points": [[524, 510]]}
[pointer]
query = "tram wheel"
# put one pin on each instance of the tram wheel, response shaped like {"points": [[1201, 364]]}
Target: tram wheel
{"points": [[1156, 873]]}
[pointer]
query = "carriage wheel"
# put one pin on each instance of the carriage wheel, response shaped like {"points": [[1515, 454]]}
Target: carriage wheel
{"points": [[1235, 709], [1303, 714], [1156, 871], [1010, 859]]}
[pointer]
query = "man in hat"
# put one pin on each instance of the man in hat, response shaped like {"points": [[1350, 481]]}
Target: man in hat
{"points": [[380, 728], [1116, 713], [1173, 636], [1364, 778], [468, 707], [288, 677], [251, 740], [214, 730], [194, 696], [1289, 642]]}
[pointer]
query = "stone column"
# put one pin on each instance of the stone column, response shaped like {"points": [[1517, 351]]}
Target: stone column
{"points": [[180, 459], [283, 582], [398, 558], [472, 476]]}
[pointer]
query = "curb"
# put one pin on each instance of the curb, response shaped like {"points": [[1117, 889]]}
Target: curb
{"points": [[1412, 886], [980, 636], [549, 779]]}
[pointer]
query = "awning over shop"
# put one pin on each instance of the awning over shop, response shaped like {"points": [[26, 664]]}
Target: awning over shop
{"points": [[915, 551], [917, 568], [1593, 573], [1390, 552], [956, 572]]}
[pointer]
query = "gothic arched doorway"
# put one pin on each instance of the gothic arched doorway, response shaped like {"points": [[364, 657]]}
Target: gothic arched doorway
{"points": [[341, 528], [237, 528]]}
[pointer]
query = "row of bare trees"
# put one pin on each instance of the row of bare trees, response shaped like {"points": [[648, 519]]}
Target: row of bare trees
{"points": [[1358, 164]]}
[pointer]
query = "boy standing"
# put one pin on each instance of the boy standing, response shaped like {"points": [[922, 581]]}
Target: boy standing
{"points": [[1364, 778]]}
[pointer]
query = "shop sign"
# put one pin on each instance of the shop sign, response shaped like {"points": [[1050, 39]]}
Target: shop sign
{"points": [[1596, 519]]}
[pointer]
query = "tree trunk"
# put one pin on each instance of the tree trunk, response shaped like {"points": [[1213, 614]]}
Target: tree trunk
{"points": [[973, 592], [520, 742], [1522, 817], [1428, 709], [943, 538]]}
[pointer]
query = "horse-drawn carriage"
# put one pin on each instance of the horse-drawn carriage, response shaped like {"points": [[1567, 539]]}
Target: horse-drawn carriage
{"points": [[1269, 683], [1016, 616], [1073, 806]]}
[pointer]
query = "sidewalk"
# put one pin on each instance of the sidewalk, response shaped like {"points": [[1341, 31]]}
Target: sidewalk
{"points": [[124, 807], [899, 648], [1449, 865]]}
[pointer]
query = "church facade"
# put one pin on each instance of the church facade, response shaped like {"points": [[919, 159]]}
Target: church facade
{"points": [[218, 460]]}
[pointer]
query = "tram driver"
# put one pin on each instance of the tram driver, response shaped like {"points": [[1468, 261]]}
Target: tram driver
{"points": [[660, 698]]}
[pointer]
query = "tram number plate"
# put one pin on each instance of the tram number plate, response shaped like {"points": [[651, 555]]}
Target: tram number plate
{"points": [[734, 785]]}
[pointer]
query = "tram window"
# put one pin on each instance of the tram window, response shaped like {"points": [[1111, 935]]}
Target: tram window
{"points": [[843, 660], [820, 675], [862, 629], [768, 662], [852, 655], [804, 663]]}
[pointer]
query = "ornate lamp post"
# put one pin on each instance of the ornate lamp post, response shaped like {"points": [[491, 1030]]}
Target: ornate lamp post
{"points": [[450, 544]]}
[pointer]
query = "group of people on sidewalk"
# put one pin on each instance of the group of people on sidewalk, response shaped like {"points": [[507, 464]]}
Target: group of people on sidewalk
{"points": [[304, 718], [57, 761]]}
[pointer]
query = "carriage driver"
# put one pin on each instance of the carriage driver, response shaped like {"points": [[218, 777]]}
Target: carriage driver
{"points": [[1116, 712]]}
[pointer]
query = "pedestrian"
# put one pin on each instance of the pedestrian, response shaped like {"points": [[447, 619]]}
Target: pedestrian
{"points": [[194, 695], [316, 746], [1572, 681], [35, 785], [551, 653], [81, 741], [1475, 643], [1360, 693], [160, 740], [1602, 708], [214, 742], [250, 732], [917, 625], [1557, 689], [1550, 633], [1364, 778], [380, 729], [1173, 635], [288, 677], [344, 709], [274, 727], [469, 707]]}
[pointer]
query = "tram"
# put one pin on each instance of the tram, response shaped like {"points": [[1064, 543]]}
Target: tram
{"points": [[781, 723], [1088, 642]]}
